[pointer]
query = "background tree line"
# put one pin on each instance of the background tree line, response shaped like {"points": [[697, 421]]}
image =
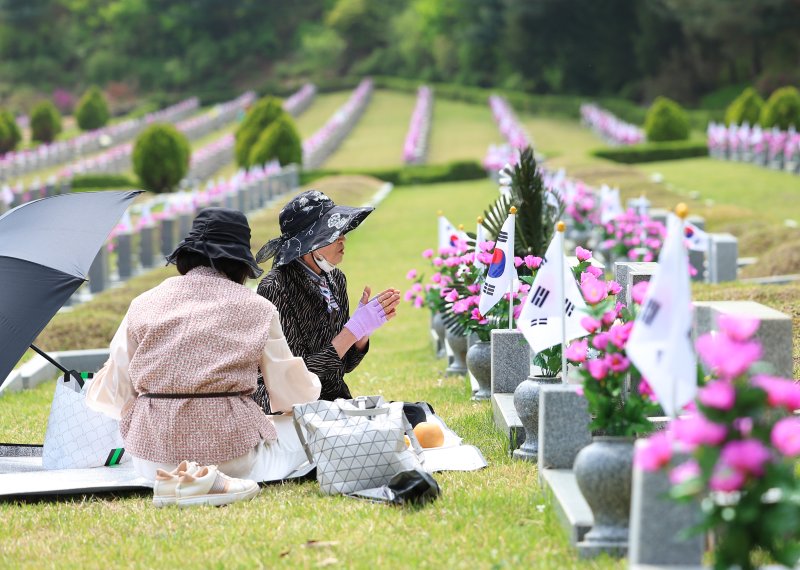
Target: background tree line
{"points": [[685, 49]]}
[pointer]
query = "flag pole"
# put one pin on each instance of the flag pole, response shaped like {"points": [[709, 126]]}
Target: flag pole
{"points": [[560, 227], [682, 211], [512, 211]]}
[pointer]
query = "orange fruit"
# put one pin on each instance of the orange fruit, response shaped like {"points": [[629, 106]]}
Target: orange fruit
{"points": [[429, 434]]}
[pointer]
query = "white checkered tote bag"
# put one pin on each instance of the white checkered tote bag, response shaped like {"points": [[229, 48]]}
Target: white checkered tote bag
{"points": [[77, 437], [354, 445]]}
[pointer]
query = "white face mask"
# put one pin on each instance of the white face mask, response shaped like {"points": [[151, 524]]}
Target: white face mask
{"points": [[324, 264]]}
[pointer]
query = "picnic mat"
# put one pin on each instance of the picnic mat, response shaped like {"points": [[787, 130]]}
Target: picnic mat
{"points": [[22, 475]]}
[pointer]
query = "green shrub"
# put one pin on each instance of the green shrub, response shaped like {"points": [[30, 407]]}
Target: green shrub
{"points": [[161, 157], [45, 122], [92, 110], [666, 121], [279, 140], [258, 118], [746, 108], [101, 181], [410, 175], [10, 135], [652, 152], [782, 109]]}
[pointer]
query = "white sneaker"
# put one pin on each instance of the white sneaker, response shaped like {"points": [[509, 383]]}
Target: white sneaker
{"points": [[167, 482], [209, 486]]}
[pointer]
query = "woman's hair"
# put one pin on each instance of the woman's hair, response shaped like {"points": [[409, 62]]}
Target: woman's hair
{"points": [[237, 271]]}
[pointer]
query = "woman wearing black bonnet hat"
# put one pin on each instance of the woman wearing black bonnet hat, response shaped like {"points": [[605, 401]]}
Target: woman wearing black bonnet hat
{"points": [[311, 293]]}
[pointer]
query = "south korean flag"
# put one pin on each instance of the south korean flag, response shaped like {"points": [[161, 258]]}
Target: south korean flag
{"points": [[502, 275], [543, 310], [660, 344], [449, 234], [696, 239], [610, 204]]}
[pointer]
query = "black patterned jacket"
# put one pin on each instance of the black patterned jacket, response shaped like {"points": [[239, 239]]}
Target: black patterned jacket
{"points": [[309, 327]]}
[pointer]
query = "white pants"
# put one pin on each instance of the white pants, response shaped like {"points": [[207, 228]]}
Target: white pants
{"points": [[265, 462]]}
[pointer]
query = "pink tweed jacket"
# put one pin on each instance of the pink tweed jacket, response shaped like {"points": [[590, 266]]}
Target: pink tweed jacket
{"points": [[196, 333]]}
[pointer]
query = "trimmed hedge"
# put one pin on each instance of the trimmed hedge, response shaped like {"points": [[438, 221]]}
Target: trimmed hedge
{"points": [[746, 108], [10, 135], [260, 116], [279, 141], [92, 110], [102, 181], [653, 152], [45, 122], [404, 176], [161, 157], [782, 109], [666, 121]]}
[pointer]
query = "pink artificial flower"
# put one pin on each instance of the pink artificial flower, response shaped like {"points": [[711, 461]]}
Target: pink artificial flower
{"points": [[486, 246], [719, 394], [785, 436], [427, 254], [532, 262], [609, 317], [639, 292], [617, 362], [579, 390], [780, 391], [725, 478], [598, 369], [418, 302], [686, 471], [476, 316], [461, 306], [452, 296], [747, 456], [474, 288], [436, 277], [697, 430], [738, 328], [518, 261], [645, 391], [409, 295], [517, 311], [593, 271], [618, 334], [600, 341], [590, 324], [613, 288], [648, 256], [417, 287], [583, 254], [653, 453], [593, 290], [438, 261], [726, 357], [412, 274], [744, 426], [485, 258], [576, 351]]}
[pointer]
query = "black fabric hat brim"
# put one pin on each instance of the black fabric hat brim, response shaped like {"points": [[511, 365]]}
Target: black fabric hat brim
{"points": [[336, 222], [214, 251]]}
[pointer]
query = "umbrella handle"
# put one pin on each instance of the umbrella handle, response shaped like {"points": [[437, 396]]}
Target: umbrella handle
{"points": [[49, 359]]}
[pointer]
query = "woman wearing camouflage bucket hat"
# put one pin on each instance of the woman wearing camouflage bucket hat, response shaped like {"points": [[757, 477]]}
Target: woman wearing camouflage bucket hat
{"points": [[310, 293]]}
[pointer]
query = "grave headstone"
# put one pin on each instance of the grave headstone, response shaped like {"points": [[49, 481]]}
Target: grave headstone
{"points": [[563, 426], [641, 272], [98, 271], [124, 255], [184, 224], [723, 258], [657, 523], [510, 360], [168, 228], [146, 246]]}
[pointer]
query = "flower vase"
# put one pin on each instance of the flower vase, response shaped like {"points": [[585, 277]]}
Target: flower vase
{"points": [[458, 344], [604, 472], [526, 402], [437, 326], [479, 363]]}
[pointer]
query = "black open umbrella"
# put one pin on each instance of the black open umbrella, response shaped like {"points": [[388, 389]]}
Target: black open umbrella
{"points": [[46, 249]]}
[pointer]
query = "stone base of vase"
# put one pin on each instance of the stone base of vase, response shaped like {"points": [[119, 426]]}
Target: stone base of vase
{"points": [[526, 454], [482, 394]]}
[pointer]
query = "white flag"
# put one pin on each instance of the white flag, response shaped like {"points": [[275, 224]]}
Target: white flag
{"points": [[610, 204], [7, 194], [660, 343], [696, 239], [448, 233], [502, 274], [543, 310]]}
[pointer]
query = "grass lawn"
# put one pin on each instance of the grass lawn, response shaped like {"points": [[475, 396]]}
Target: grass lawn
{"points": [[377, 140], [322, 108], [492, 518], [461, 131]]}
